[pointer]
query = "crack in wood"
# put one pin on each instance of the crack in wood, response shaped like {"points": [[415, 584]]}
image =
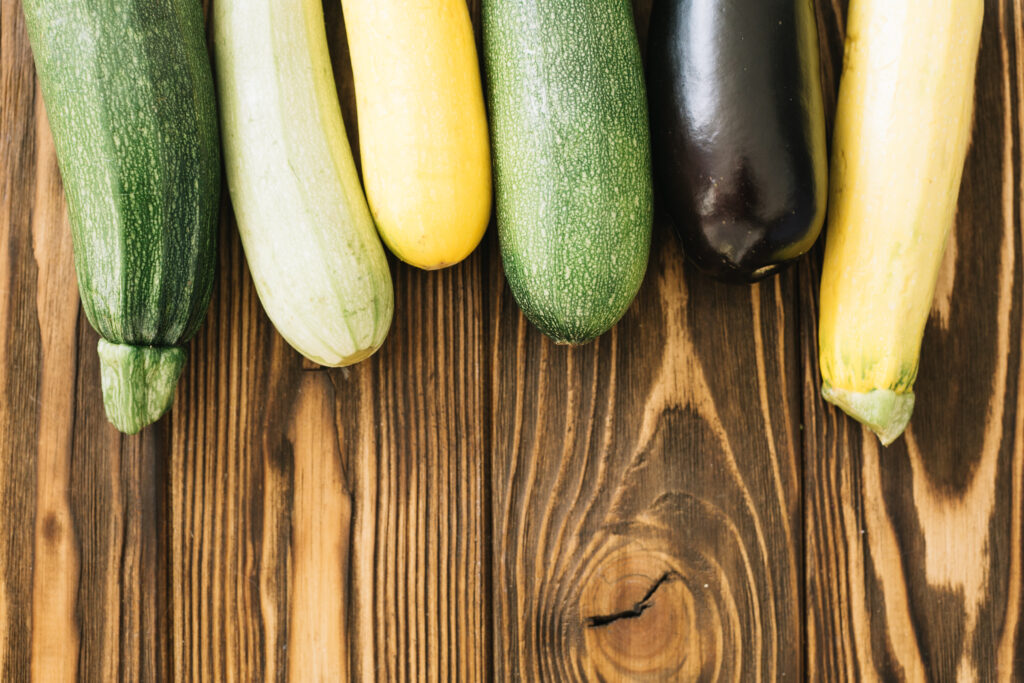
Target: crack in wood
{"points": [[637, 609]]}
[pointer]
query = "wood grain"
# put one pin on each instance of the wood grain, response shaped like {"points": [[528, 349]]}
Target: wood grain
{"points": [[55, 572], [19, 417], [913, 553], [627, 481], [673, 502]]}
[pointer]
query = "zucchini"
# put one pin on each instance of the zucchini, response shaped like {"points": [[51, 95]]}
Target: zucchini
{"points": [[422, 126], [571, 157], [903, 128], [130, 100], [317, 263], [738, 131]]}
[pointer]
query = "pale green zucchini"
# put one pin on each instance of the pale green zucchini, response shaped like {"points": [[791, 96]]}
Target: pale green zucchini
{"points": [[314, 254]]}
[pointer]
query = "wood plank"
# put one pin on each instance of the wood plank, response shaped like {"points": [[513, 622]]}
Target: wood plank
{"points": [[251, 440], [118, 517], [55, 559], [19, 344], [329, 523], [420, 601], [80, 577], [628, 477], [913, 553], [418, 566], [232, 412], [647, 514]]}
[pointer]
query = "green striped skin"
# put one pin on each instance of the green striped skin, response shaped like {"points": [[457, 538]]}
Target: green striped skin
{"points": [[130, 100], [571, 158]]}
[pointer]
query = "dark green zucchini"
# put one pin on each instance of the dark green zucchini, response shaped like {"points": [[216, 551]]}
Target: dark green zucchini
{"points": [[738, 130], [571, 158], [130, 99]]}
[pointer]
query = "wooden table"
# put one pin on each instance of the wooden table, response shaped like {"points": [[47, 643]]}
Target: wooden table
{"points": [[476, 503]]}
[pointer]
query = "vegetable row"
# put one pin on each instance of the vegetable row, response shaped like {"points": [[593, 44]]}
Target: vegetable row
{"points": [[731, 107]]}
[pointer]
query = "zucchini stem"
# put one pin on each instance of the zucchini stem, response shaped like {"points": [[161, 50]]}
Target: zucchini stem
{"points": [[884, 411], [138, 382]]}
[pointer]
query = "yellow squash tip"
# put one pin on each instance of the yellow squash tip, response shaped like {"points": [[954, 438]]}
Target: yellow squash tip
{"points": [[885, 412]]}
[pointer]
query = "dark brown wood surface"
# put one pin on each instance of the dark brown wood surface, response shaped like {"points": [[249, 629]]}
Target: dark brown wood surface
{"points": [[672, 502]]}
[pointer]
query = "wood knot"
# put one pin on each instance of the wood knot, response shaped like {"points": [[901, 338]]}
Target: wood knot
{"points": [[637, 609], [639, 618], [52, 528]]}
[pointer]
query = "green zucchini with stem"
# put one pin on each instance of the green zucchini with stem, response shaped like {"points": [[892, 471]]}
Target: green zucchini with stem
{"points": [[130, 100]]}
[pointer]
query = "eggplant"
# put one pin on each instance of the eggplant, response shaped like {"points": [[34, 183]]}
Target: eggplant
{"points": [[738, 131]]}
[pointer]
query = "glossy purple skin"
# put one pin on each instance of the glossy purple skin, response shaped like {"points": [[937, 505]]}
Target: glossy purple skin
{"points": [[738, 131]]}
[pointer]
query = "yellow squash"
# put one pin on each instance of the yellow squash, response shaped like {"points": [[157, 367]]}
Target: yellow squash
{"points": [[903, 127], [422, 126]]}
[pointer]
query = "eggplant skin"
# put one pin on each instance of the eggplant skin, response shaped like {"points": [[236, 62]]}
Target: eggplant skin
{"points": [[738, 131]]}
